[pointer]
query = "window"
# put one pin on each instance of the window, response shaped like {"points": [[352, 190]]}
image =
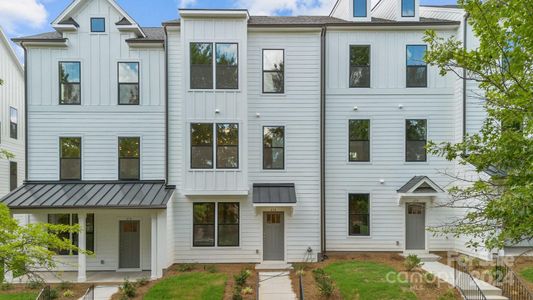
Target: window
{"points": [[70, 83], [201, 66], [13, 123], [97, 25], [12, 175], [359, 139], [359, 8], [415, 140], [359, 214], [128, 83], [408, 8], [72, 219], [360, 66], [128, 156], [416, 66], [202, 146], [227, 69], [228, 146], [225, 215], [70, 158], [273, 71], [274, 147]]}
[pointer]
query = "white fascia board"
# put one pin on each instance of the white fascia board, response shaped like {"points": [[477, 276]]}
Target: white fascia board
{"points": [[216, 193], [208, 13]]}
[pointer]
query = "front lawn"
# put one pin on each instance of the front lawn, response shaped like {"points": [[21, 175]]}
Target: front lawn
{"points": [[18, 296], [367, 280], [527, 273], [190, 286]]}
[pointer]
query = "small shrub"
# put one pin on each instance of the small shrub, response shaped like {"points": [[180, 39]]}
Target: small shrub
{"points": [[498, 273], [65, 285], [411, 262], [448, 295], [429, 280], [240, 279], [300, 266], [210, 268], [186, 267], [128, 289], [68, 294], [5, 286], [51, 294], [236, 294], [34, 284], [247, 290], [476, 263], [324, 282], [142, 281]]}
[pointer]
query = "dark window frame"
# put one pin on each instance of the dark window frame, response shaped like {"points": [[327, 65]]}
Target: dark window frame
{"points": [[227, 145], [13, 126], [120, 158], [414, 9], [270, 71], [360, 66], [214, 224], [61, 158], [73, 236], [407, 141], [368, 140], [407, 66], [78, 83], [97, 18], [138, 83], [264, 146], [13, 175], [238, 224], [366, 9], [359, 214], [215, 81], [212, 146]]}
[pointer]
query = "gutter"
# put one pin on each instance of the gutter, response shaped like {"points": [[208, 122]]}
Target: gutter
{"points": [[25, 111], [465, 39], [323, 143], [166, 103]]}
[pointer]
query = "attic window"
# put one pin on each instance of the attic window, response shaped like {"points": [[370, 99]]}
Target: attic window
{"points": [[359, 8], [408, 8], [97, 25]]}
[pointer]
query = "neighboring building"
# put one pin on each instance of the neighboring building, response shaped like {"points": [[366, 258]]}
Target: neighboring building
{"points": [[12, 117], [225, 137]]}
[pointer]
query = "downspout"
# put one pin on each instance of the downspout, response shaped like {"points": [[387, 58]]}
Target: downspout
{"points": [[166, 105], [465, 39], [25, 111], [323, 143]]}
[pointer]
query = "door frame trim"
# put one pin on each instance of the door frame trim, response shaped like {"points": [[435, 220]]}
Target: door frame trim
{"points": [[426, 248], [285, 213], [118, 268]]}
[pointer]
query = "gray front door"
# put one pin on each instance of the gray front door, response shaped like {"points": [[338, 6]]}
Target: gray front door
{"points": [[415, 226], [273, 236], [129, 245]]}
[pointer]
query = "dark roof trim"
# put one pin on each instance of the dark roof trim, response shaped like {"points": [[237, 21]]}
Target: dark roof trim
{"points": [[123, 21], [274, 193], [70, 21], [144, 41], [361, 24], [171, 23], [18, 40]]}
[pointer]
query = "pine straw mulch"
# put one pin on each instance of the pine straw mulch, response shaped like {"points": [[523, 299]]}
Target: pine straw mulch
{"points": [[78, 290]]}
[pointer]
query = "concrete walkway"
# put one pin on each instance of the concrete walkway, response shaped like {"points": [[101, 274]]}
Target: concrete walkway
{"points": [[275, 286], [104, 292]]}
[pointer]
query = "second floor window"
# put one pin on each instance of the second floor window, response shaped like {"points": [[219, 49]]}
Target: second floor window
{"points": [[227, 145], [129, 158], [202, 69], [227, 70], [13, 123], [70, 158], [13, 178], [273, 71], [360, 66], [408, 8], [417, 70], [359, 8], [97, 25], [128, 83], [69, 83], [273, 148], [359, 135], [202, 146], [415, 140]]}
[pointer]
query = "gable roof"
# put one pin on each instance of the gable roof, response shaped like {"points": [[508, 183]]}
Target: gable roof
{"points": [[420, 184], [10, 49]]}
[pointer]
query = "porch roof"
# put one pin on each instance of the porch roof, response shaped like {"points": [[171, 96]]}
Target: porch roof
{"points": [[274, 193], [89, 194], [420, 184]]}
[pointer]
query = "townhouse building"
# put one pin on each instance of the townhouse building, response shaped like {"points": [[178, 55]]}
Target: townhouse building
{"points": [[226, 137]]}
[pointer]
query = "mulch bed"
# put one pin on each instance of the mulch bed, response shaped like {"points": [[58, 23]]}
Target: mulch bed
{"points": [[78, 290], [393, 260]]}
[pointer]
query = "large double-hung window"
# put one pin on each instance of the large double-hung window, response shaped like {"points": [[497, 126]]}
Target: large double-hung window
{"points": [[216, 224], [203, 138], [214, 65]]}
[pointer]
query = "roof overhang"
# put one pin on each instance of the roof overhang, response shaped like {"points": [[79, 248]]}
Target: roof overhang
{"points": [[214, 13], [215, 193], [42, 42], [145, 44], [419, 187], [274, 195]]}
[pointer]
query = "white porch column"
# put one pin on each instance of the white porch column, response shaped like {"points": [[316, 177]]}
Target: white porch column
{"points": [[8, 276], [154, 247], [82, 259]]}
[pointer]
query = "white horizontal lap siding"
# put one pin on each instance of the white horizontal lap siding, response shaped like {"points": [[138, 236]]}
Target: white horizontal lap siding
{"points": [[387, 138], [299, 111]]}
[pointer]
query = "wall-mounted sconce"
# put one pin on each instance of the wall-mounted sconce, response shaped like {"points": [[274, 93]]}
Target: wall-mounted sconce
{"points": [[400, 106], [217, 111], [382, 181], [355, 108], [257, 115]]}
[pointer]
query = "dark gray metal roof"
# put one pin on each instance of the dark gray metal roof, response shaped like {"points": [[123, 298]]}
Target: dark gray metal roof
{"points": [[303, 21], [422, 189], [123, 21], [89, 194], [274, 193]]}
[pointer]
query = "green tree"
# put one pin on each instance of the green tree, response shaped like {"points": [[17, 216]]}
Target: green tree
{"points": [[500, 200]]}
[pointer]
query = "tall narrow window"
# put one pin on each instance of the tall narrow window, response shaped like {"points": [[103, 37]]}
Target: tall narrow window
{"points": [[13, 178], [228, 224], [201, 146], [72, 219], [274, 147], [128, 83], [227, 69], [70, 157], [129, 149], [201, 65], [70, 83], [415, 140], [204, 224], [13, 123], [360, 66], [228, 146], [359, 214], [61, 219], [273, 71], [416, 66], [359, 135], [408, 8], [359, 8], [97, 25]]}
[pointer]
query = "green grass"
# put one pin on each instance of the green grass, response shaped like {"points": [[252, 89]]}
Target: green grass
{"points": [[18, 296], [527, 273], [190, 286], [367, 280]]}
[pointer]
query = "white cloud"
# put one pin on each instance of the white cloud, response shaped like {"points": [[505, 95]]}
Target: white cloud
{"points": [[292, 7], [14, 13], [185, 3]]}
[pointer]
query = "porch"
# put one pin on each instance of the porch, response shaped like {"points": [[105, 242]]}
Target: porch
{"points": [[91, 276]]}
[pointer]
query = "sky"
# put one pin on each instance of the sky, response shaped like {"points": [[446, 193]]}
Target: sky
{"points": [[28, 17]]}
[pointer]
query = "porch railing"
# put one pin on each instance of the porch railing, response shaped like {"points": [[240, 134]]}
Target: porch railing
{"points": [[511, 285], [89, 294], [466, 284]]}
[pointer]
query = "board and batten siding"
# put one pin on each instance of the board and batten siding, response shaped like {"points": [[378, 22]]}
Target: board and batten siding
{"points": [[99, 120]]}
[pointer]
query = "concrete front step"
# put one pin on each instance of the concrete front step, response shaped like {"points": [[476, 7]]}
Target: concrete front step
{"points": [[424, 256], [273, 265]]}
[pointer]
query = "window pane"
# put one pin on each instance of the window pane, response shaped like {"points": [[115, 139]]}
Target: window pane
{"points": [[227, 146], [70, 93], [97, 25], [359, 204], [129, 169], [360, 130], [60, 219], [69, 72], [129, 147], [70, 147], [228, 134], [408, 8], [128, 93], [228, 224], [359, 225], [204, 235], [416, 130], [228, 213], [359, 151], [417, 76], [359, 212], [204, 224], [201, 134], [69, 79], [415, 55], [359, 66], [415, 151], [359, 76], [274, 136], [273, 82], [13, 115], [228, 235], [202, 145], [204, 213], [202, 157], [12, 175], [13, 123], [70, 169], [273, 60], [359, 8], [128, 72], [201, 65], [227, 66], [360, 55], [273, 158]]}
